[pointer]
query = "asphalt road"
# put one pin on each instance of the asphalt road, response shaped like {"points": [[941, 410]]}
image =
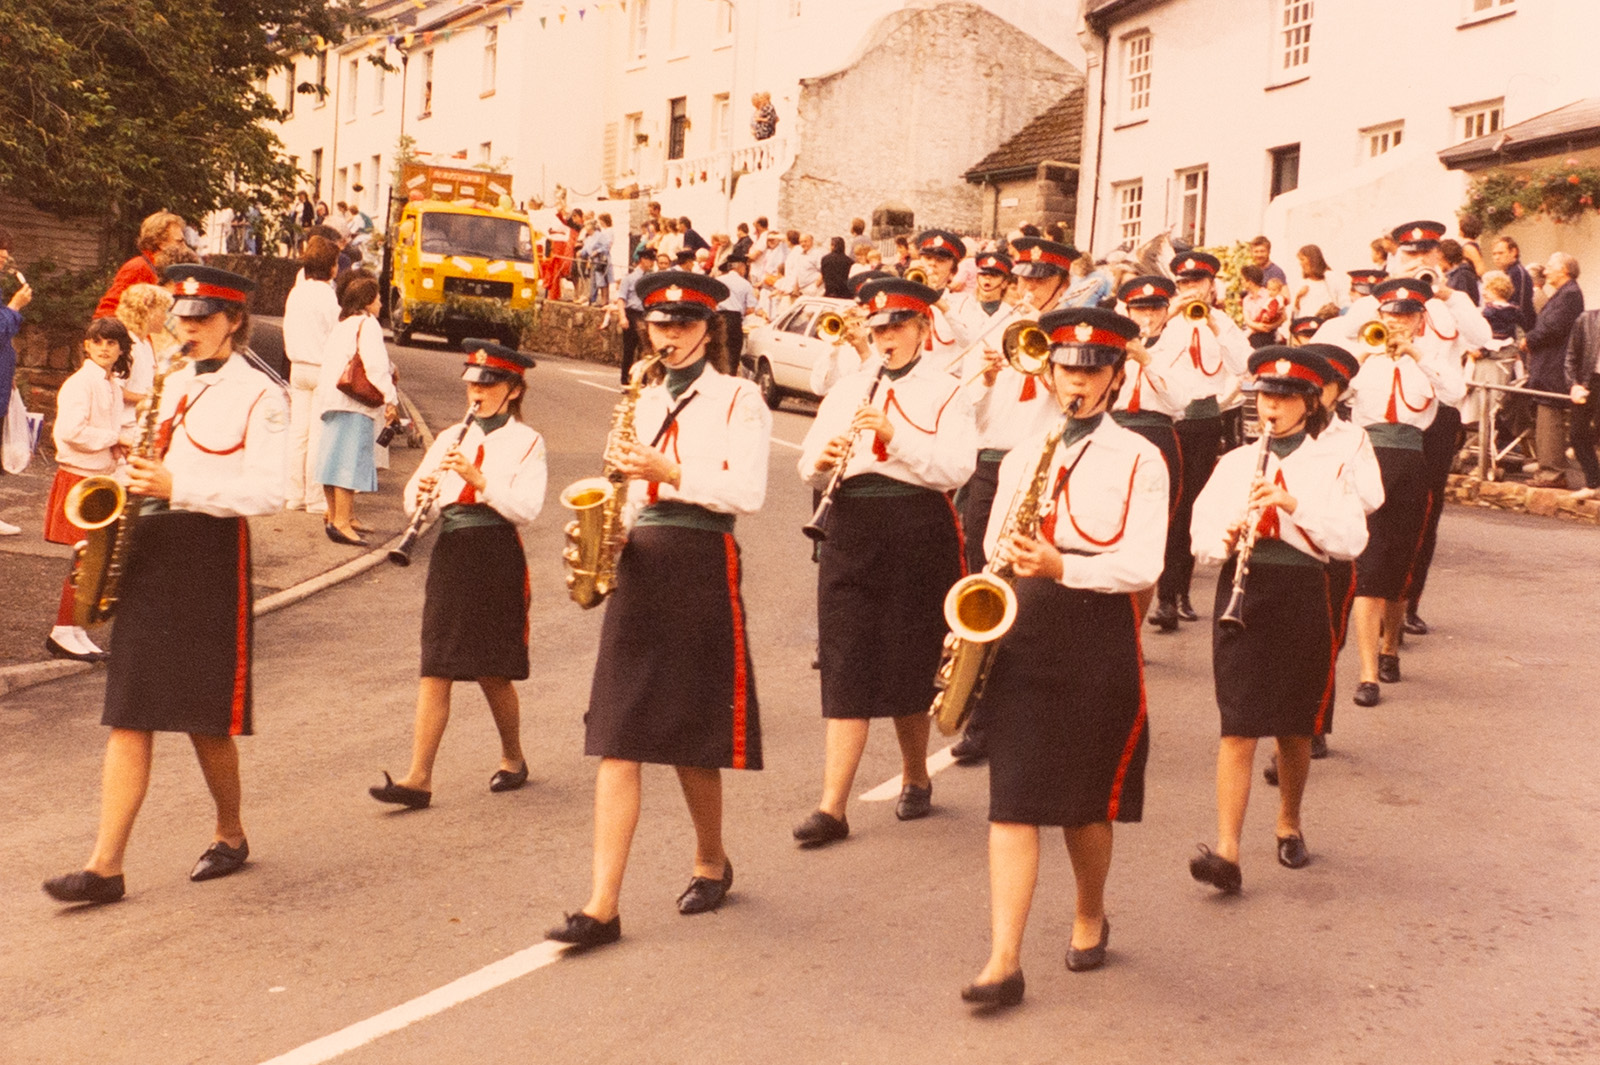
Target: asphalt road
{"points": [[1451, 913]]}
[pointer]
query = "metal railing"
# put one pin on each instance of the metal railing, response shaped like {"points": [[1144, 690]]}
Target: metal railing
{"points": [[1488, 409]]}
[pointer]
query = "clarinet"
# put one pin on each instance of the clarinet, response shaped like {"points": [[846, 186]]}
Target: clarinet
{"points": [[817, 527], [1233, 616], [401, 555]]}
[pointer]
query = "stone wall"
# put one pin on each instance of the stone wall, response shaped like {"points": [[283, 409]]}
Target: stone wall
{"points": [[573, 330], [933, 91], [1522, 499]]}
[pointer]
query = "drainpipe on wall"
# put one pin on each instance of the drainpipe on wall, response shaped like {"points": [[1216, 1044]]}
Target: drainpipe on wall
{"points": [[1100, 133]]}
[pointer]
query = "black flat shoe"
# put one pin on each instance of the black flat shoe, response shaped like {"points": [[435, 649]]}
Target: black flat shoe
{"points": [[505, 780], [1367, 693], [340, 538], [1007, 992], [705, 894], [915, 802], [1292, 852], [1319, 746], [819, 829], [1164, 617], [970, 749], [1269, 772], [58, 650], [400, 795], [220, 860], [84, 886], [1081, 961], [1389, 669], [1414, 626], [1211, 868], [1185, 611], [583, 931]]}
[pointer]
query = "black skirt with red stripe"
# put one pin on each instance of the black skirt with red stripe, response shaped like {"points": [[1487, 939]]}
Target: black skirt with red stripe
{"points": [[1274, 677], [1395, 529], [674, 684], [475, 615], [180, 655], [1064, 710], [881, 582]]}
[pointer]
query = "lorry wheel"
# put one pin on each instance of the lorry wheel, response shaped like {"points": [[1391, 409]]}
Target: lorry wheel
{"points": [[771, 394], [402, 333]]}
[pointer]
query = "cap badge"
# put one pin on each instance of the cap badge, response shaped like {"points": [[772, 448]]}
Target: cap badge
{"points": [[674, 294], [880, 301], [1149, 290], [1035, 253], [1282, 366], [190, 286], [1416, 234], [1083, 331], [480, 358], [1189, 264]]}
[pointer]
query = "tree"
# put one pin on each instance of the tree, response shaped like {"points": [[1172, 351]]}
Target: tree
{"points": [[124, 107]]}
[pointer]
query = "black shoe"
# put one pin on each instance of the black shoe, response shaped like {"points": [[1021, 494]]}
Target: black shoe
{"points": [[340, 538], [220, 860], [1319, 746], [58, 650], [1007, 992], [1185, 610], [1081, 961], [1164, 617], [503, 780], [1213, 869], [1292, 852], [970, 749], [1269, 773], [84, 886], [1367, 693], [705, 894], [1389, 669], [583, 931], [1414, 625], [915, 802], [400, 795], [820, 828]]}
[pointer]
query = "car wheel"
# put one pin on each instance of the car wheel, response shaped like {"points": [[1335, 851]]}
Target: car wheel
{"points": [[771, 394], [402, 334]]}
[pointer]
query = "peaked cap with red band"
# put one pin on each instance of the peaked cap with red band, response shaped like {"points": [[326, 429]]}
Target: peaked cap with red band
{"points": [[1362, 280], [1403, 295], [679, 296], [489, 362], [994, 262], [1286, 371], [1151, 290], [202, 291], [943, 243], [1037, 257], [1343, 364], [1305, 328], [1194, 264], [1088, 337], [1418, 236], [895, 299]]}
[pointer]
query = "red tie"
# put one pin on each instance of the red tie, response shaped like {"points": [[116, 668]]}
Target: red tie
{"points": [[164, 434], [1194, 349], [1268, 528], [880, 450], [1391, 414], [1138, 386], [469, 494], [1029, 390]]}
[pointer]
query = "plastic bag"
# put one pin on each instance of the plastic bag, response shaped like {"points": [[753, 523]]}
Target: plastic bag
{"points": [[21, 435]]}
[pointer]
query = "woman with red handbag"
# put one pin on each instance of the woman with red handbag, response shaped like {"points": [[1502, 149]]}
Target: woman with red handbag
{"points": [[357, 383]]}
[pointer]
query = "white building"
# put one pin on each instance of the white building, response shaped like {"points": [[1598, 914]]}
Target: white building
{"points": [[1312, 121]]}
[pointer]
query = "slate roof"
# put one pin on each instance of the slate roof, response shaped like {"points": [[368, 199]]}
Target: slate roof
{"points": [[1055, 134], [1566, 129]]}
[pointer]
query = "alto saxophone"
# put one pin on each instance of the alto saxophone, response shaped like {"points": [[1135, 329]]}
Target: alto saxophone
{"points": [[102, 508], [981, 608], [595, 536]]}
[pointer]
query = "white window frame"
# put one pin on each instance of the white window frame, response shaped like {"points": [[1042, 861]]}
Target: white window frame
{"points": [[1382, 139], [794, 9], [372, 186], [491, 59], [1486, 10], [1294, 39], [425, 86], [723, 22], [288, 97], [1471, 121], [380, 79], [353, 90], [355, 179], [632, 150], [1137, 74], [639, 29], [486, 153], [322, 77], [1130, 209], [721, 121], [316, 175], [341, 181], [1200, 194]]}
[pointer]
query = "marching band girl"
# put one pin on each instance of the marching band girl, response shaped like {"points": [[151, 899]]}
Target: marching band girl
{"points": [[674, 684], [1274, 672], [475, 613], [904, 429], [1065, 703], [184, 628]]}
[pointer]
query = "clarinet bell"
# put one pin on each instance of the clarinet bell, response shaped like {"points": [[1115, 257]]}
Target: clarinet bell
{"points": [[1233, 616]]}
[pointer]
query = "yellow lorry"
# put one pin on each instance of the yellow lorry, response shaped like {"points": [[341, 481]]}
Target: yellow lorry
{"points": [[462, 261]]}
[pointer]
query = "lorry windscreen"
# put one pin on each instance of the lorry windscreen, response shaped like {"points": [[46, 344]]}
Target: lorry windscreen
{"points": [[467, 234]]}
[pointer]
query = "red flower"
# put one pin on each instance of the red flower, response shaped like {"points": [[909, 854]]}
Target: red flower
{"points": [[1516, 209], [1586, 200], [1572, 179]]}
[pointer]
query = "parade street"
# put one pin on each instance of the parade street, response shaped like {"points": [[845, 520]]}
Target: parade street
{"points": [[1451, 912]]}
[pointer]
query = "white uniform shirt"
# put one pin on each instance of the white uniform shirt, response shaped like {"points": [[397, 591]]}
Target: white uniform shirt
{"points": [[512, 460], [948, 340], [935, 443], [1359, 463], [309, 316], [1167, 385], [1217, 361], [336, 356], [1328, 520], [1104, 507], [228, 443], [719, 439], [88, 420], [1404, 390]]}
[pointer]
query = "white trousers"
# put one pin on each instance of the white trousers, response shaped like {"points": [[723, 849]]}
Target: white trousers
{"points": [[303, 430]]}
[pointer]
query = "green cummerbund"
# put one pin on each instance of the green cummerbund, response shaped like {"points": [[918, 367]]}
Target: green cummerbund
{"points": [[469, 516], [877, 486], [684, 516], [1398, 436]]}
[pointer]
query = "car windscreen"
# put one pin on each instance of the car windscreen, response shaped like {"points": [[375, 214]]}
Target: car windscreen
{"points": [[444, 233]]}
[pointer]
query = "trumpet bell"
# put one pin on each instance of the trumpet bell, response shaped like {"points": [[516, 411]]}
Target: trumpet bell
{"points": [[1375, 335], [980, 608], [1026, 347], [917, 274], [1197, 311], [830, 326]]}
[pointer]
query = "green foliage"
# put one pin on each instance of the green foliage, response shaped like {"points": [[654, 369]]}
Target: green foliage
{"points": [[124, 107], [1561, 193], [63, 299], [427, 317], [1233, 257]]}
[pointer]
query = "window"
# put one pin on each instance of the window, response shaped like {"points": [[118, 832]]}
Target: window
{"points": [[1130, 210], [674, 41], [316, 173], [1136, 69], [721, 121], [322, 78], [794, 8], [485, 153], [341, 179], [1296, 34], [288, 91], [1379, 139], [491, 57], [724, 19], [1480, 120], [1285, 170], [633, 141], [678, 125], [1481, 6], [380, 82], [353, 90], [357, 188], [638, 28], [1192, 204], [427, 85], [372, 190]]}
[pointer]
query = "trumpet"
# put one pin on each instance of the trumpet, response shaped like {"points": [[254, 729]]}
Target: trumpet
{"points": [[400, 555], [830, 326], [917, 274], [1026, 348], [1374, 334], [1196, 310], [1233, 615], [817, 527]]}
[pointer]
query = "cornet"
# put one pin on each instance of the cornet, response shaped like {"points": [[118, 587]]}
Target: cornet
{"points": [[1196, 310], [1375, 334], [917, 274]]}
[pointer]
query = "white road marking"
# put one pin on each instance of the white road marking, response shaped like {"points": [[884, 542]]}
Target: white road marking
{"points": [[890, 789], [604, 388], [587, 373], [454, 993], [785, 443]]}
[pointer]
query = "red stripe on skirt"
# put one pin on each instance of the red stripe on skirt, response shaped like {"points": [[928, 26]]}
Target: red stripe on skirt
{"points": [[1344, 611], [241, 655], [527, 591], [1416, 549], [1138, 722], [1333, 663], [741, 677], [961, 534]]}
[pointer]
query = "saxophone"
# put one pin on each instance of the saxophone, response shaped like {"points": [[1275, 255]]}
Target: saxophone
{"points": [[102, 508], [595, 536], [981, 608]]}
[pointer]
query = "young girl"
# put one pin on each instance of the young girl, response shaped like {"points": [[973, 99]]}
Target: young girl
{"points": [[143, 309], [1274, 673], [89, 442], [475, 615]]}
